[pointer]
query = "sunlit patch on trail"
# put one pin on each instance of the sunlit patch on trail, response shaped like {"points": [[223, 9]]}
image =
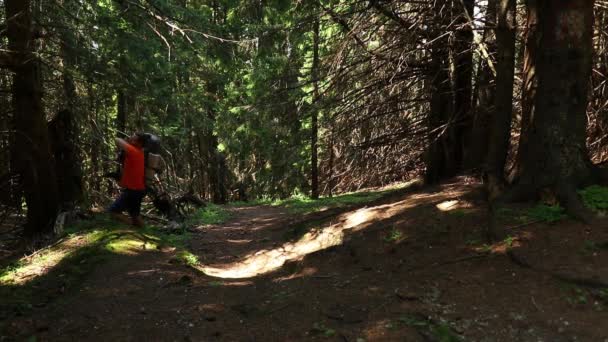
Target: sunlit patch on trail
{"points": [[268, 260], [510, 242], [229, 283], [453, 205], [358, 217], [123, 242], [31, 267], [129, 246], [239, 242], [447, 205]]}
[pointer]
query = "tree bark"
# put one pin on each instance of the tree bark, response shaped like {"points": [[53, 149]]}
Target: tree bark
{"points": [[121, 112], [63, 131], [463, 75], [67, 164], [94, 142], [556, 156], [314, 164], [501, 121], [440, 161], [529, 85], [485, 96], [31, 149], [10, 193]]}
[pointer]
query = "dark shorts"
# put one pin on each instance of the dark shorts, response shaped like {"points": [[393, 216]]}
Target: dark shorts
{"points": [[130, 201]]}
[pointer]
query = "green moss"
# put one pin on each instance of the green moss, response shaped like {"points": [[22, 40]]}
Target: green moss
{"points": [[187, 258], [306, 205], [546, 213], [595, 197], [300, 203], [60, 268], [441, 331], [394, 235], [129, 245], [322, 330], [211, 214], [457, 213]]}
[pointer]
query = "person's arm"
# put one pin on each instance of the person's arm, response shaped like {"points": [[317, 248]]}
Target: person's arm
{"points": [[123, 144]]}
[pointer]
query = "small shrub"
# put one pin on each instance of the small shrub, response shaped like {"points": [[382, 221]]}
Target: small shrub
{"points": [[547, 213], [591, 246], [321, 329], [579, 297], [441, 331], [458, 213], [211, 214], [595, 197], [188, 258], [394, 236]]}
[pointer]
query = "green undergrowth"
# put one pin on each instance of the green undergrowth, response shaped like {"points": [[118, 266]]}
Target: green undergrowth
{"points": [[210, 214], [187, 258], [545, 213], [53, 271], [440, 331], [395, 236], [538, 213], [302, 204], [595, 197]]}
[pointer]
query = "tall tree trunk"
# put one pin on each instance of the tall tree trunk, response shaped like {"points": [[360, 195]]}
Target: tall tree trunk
{"points": [[501, 121], [485, 95], [440, 162], [463, 76], [314, 173], [8, 191], [63, 130], [67, 165], [31, 148], [94, 140], [556, 155], [121, 112], [330, 167], [529, 84]]}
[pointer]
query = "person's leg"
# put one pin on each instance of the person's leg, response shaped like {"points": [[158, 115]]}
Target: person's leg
{"points": [[122, 218], [118, 206], [137, 221], [135, 198]]}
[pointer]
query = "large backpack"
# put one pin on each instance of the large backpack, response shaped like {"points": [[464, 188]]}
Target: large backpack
{"points": [[152, 158]]}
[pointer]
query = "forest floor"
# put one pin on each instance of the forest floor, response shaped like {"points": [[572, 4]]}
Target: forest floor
{"points": [[408, 266]]}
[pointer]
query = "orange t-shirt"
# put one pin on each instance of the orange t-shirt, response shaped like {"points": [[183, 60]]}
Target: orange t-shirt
{"points": [[133, 169]]}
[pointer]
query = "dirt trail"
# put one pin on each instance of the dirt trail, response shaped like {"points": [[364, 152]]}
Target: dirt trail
{"points": [[402, 271]]}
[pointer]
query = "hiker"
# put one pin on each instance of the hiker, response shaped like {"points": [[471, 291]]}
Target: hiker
{"points": [[131, 180]]}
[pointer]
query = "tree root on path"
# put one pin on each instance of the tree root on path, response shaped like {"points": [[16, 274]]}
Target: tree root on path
{"points": [[572, 203], [449, 262], [568, 278]]}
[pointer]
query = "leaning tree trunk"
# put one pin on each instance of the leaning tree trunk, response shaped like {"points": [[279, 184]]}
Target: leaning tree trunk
{"points": [[556, 156], [31, 148], [500, 128]]}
